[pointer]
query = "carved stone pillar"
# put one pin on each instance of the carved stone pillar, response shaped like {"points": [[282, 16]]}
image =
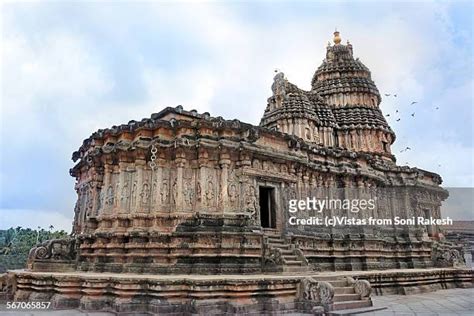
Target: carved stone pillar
{"points": [[223, 196], [306, 186], [140, 165], [157, 176], [107, 189], [95, 197], [116, 184], [300, 183], [123, 194], [201, 185], [178, 194]]}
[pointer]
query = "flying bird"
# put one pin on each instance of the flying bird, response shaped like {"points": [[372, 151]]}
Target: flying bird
{"points": [[406, 148], [395, 95], [437, 108], [396, 111], [398, 120], [387, 115], [413, 114], [414, 102], [387, 94]]}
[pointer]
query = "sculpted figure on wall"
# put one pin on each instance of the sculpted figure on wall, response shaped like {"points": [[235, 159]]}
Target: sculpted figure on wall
{"points": [[145, 194], [174, 191], [251, 201], [188, 193], [110, 196], [133, 195], [232, 192], [210, 187], [164, 191], [125, 197], [198, 191]]}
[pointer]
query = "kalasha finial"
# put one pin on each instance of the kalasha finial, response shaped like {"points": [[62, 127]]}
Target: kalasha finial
{"points": [[337, 38]]}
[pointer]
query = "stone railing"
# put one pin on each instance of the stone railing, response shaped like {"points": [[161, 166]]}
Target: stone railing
{"points": [[7, 286], [319, 294], [273, 256], [53, 252], [361, 287], [445, 255], [300, 255]]}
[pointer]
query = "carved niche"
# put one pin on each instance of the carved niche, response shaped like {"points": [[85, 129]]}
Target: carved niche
{"points": [[233, 190], [210, 193], [251, 199]]}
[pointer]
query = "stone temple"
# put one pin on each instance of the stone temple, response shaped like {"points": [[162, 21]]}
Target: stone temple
{"points": [[184, 213]]}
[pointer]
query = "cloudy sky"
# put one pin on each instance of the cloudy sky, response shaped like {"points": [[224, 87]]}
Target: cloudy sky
{"points": [[70, 68]]}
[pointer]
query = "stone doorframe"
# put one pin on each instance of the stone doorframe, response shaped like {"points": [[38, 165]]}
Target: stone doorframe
{"points": [[277, 189]]}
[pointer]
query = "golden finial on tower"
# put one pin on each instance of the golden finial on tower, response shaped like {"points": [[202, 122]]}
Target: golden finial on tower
{"points": [[337, 38]]}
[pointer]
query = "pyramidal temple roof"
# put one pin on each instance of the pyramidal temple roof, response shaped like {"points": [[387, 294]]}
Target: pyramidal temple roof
{"points": [[343, 95]]}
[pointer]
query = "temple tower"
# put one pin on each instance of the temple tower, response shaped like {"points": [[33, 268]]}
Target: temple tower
{"points": [[346, 85], [341, 110]]}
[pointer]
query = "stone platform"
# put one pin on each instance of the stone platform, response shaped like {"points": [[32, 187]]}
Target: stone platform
{"points": [[227, 294]]}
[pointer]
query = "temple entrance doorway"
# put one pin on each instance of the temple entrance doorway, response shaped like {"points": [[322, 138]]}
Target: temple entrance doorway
{"points": [[267, 207]]}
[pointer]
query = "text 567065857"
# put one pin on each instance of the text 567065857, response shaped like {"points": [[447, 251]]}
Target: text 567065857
{"points": [[28, 305]]}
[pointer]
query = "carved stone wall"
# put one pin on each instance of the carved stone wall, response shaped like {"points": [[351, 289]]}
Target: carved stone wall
{"points": [[179, 193]]}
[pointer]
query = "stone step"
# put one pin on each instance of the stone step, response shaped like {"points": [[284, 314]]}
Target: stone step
{"points": [[344, 290], [292, 262], [351, 304], [282, 246], [346, 297], [290, 258], [356, 311], [275, 241], [296, 269], [338, 283]]}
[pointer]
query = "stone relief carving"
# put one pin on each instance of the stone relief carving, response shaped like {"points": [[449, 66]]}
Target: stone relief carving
{"points": [[446, 255], [198, 191], [256, 164], [110, 196], [117, 195], [232, 192], [125, 197], [54, 249], [133, 194], [154, 194], [101, 199], [8, 285], [188, 193], [251, 201], [174, 191], [273, 256], [361, 287], [210, 194], [164, 193], [320, 292], [145, 193]]}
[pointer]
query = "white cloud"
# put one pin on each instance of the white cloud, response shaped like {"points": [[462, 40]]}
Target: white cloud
{"points": [[34, 218], [55, 78]]}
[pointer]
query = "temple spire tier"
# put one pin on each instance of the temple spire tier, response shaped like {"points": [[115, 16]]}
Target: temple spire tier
{"points": [[340, 110]]}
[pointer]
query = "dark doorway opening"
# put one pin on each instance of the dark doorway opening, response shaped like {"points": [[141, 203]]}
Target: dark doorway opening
{"points": [[267, 207]]}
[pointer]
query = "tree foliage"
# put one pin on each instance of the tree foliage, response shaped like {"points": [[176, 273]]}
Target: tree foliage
{"points": [[15, 244]]}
